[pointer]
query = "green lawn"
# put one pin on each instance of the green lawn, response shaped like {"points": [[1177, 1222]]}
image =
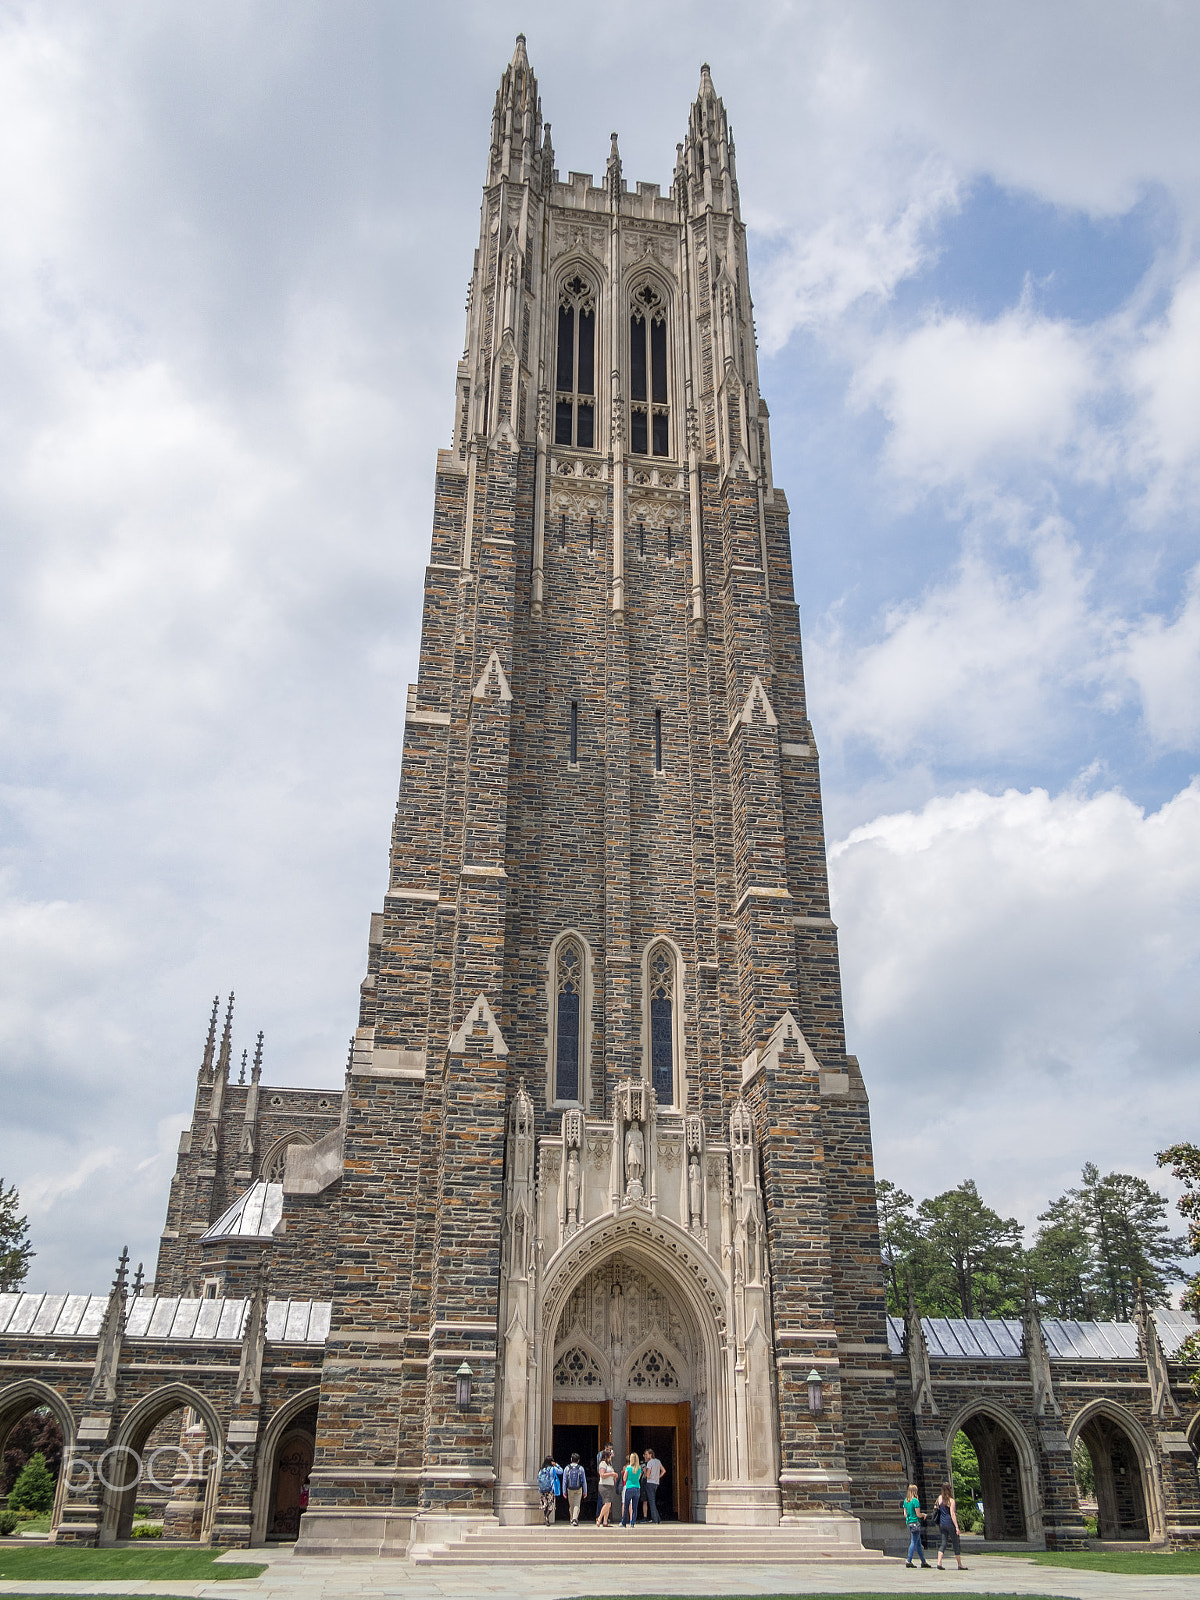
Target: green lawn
{"points": [[1137, 1563], [42, 1563]]}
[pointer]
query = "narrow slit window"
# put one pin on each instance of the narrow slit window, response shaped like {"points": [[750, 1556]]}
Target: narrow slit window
{"points": [[658, 766], [662, 1024], [670, 543], [575, 368], [641, 538], [568, 987], [574, 733], [562, 530], [592, 534]]}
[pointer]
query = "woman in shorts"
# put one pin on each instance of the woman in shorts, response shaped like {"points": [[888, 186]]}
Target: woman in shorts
{"points": [[607, 1469]]}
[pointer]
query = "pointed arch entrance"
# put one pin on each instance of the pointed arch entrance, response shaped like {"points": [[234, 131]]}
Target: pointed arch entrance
{"points": [[1008, 1472], [1122, 1461]]}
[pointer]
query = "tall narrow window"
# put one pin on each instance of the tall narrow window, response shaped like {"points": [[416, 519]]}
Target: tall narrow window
{"points": [[649, 413], [568, 989], [592, 533], [658, 741], [575, 371], [662, 1024], [574, 733]]}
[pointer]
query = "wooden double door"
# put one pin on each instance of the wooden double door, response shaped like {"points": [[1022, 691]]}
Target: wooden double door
{"points": [[583, 1427]]}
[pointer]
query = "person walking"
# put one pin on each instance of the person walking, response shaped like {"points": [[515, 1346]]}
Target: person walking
{"points": [[633, 1492], [607, 1470], [549, 1485], [947, 1521], [913, 1517], [653, 1473], [575, 1483]]}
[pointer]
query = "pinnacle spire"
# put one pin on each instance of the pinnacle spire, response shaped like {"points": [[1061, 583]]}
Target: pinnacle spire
{"points": [[242, 1068], [226, 1041], [519, 57], [256, 1070], [612, 173], [211, 1042], [516, 122]]}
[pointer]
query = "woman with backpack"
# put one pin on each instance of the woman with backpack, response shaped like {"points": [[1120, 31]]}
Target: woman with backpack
{"points": [[633, 1492], [607, 1469], [549, 1488], [947, 1523], [575, 1483]]}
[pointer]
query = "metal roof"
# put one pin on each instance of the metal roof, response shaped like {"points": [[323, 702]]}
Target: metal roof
{"points": [[253, 1215], [78, 1316], [987, 1339]]}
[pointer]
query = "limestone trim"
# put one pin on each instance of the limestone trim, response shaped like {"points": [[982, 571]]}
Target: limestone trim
{"points": [[492, 677], [480, 1015], [663, 941], [275, 1430], [1143, 1447], [1027, 1457], [586, 1021]]}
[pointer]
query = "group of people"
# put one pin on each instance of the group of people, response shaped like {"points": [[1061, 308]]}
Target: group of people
{"points": [[639, 1481], [945, 1520]]}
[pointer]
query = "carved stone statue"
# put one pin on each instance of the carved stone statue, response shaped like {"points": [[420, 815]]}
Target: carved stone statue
{"points": [[695, 1192], [635, 1158], [616, 1313], [573, 1179]]}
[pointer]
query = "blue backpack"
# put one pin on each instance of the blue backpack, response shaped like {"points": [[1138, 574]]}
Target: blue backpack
{"points": [[546, 1479], [575, 1478]]}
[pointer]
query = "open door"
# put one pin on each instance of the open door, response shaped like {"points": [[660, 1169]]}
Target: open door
{"points": [[667, 1430]]}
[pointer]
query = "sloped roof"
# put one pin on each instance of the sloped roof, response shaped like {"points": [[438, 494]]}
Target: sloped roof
{"points": [[253, 1215], [162, 1317], [988, 1339]]}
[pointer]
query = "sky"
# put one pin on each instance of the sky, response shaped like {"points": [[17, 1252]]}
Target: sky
{"points": [[234, 246]]}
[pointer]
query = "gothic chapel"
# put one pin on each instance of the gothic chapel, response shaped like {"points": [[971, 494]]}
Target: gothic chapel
{"points": [[607, 1165]]}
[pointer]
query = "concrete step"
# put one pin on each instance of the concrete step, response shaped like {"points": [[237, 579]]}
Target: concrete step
{"points": [[648, 1544]]}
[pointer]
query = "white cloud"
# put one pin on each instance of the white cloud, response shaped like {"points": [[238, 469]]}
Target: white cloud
{"points": [[1164, 376], [961, 394], [1161, 660], [1020, 973]]}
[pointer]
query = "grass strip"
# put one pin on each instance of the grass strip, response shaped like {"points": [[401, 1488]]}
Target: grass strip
{"points": [[1135, 1563], [44, 1563]]}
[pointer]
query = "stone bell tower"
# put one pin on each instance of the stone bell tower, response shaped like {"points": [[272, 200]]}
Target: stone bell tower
{"points": [[607, 1163]]}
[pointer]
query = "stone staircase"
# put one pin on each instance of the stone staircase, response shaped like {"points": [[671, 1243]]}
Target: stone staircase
{"points": [[649, 1544]]}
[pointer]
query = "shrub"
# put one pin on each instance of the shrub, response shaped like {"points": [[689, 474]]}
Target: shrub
{"points": [[8, 1522], [147, 1530], [34, 1489]]}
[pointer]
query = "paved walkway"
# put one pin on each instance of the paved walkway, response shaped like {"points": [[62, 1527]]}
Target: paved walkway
{"points": [[288, 1578]]}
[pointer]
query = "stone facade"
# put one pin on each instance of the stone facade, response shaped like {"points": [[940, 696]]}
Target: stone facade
{"points": [[601, 1166]]}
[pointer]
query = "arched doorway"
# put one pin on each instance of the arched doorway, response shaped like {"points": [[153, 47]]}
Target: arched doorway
{"points": [[35, 1418], [627, 1368], [1124, 1508], [169, 1443], [293, 1460], [1002, 1489]]}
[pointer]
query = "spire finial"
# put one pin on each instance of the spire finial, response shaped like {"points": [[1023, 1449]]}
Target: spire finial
{"points": [[226, 1039], [242, 1068], [210, 1044], [612, 173], [256, 1070], [138, 1280], [122, 1269]]}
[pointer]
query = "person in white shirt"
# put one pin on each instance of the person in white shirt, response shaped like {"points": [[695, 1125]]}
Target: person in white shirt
{"points": [[652, 1475]]}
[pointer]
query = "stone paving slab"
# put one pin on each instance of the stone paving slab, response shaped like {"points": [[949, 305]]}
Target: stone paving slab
{"points": [[289, 1578]]}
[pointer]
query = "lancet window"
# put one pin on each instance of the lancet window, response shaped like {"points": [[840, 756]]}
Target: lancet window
{"points": [[575, 373], [649, 412], [661, 983], [568, 1016]]}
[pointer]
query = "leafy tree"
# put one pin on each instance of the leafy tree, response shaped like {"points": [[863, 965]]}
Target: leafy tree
{"points": [[898, 1237], [969, 1261], [1062, 1262], [34, 1489], [1184, 1161], [964, 1465], [37, 1430], [15, 1250], [1085, 1475]]}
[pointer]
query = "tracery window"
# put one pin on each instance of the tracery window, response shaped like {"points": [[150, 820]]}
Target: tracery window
{"points": [[575, 1369], [661, 984], [653, 1371], [649, 413], [575, 377], [568, 996]]}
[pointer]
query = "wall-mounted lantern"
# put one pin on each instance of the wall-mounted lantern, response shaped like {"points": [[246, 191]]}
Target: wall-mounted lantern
{"points": [[463, 1376], [814, 1391]]}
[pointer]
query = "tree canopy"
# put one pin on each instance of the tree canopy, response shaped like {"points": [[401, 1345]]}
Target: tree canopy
{"points": [[15, 1250]]}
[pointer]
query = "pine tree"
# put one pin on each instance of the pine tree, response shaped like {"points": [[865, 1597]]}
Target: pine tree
{"points": [[15, 1250], [897, 1239], [1127, 1224], [1062, 1263], [969, 1261], [34, 1489]]}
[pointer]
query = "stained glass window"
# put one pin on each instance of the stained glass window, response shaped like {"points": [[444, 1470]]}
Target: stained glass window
{"points": [[662, 1029], [568, 992]]}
